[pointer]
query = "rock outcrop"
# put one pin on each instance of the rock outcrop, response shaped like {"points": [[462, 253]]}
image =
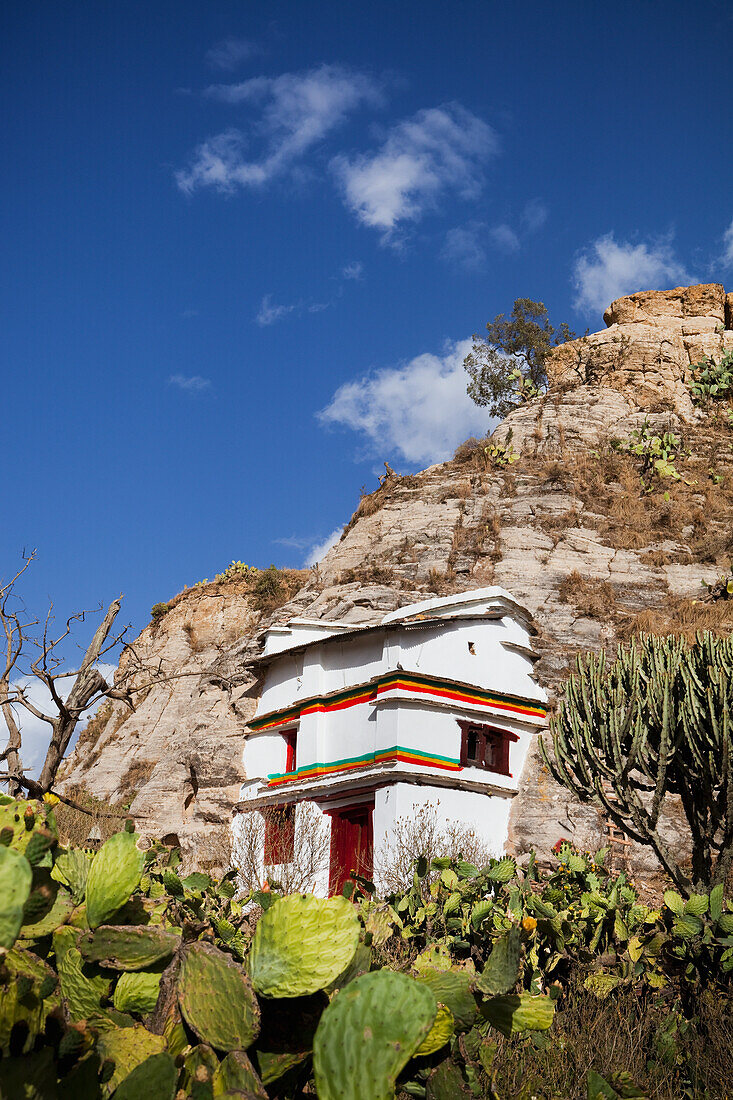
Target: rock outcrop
{"points": [[568, 528]]}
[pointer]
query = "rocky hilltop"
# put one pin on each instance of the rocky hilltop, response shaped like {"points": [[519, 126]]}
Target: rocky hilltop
{"points": [[557, 513]]}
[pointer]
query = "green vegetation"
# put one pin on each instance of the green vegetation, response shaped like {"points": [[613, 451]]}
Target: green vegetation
{"points": [[120, 979], [158, 611], [654, 725], [509, 365], [658, 453], [712, 381]]}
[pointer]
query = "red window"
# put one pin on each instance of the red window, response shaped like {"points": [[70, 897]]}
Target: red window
{"points": [[485, 747], [280, 834], [289, 738], [352, 844]]}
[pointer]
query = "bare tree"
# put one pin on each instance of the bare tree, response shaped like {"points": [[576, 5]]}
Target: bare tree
{"points": [[309, 865], [31, 653]]}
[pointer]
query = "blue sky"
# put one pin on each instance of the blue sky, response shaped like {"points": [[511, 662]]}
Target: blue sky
{"points": [[243, 247]]}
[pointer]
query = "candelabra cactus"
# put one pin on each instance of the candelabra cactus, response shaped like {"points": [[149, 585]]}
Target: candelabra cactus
{"points": [[656, 722]]}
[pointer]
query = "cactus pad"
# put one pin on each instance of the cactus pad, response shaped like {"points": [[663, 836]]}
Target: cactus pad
{"points": [[81, 984], [15, 886], [237, 1074], [453, 989], [127, 1047], [44, 925], [502, 966], [368, 1034], [302, 944], [129, 947], [71, 868], [440, 1033], [522, 1012], [137, 992], [153, 1079], [114, 874], [216, 998], [27, 1006]]}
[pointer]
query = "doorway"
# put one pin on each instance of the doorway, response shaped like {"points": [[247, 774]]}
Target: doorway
{"points": [[352, 844]]}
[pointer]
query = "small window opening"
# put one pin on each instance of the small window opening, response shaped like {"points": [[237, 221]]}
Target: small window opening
{"points": [[290, 745], [472, 648], [485, 747], [279, 835]]}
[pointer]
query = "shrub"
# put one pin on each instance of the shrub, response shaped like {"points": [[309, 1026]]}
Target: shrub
{"points": [[159, 611]]}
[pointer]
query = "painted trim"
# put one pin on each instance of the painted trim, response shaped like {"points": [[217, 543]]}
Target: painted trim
{"points": [[381, 756], [414, 682]]}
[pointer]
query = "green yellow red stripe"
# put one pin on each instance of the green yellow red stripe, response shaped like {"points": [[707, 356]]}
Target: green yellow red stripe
{"points": [[399, 681], [396, 753]]}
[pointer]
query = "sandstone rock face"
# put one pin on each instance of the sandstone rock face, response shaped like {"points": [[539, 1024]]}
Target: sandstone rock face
{"points": [[652, 340], [569, 529]]}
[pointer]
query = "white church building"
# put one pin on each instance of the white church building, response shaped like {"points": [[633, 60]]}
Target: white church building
{"points": [[435, 705]]}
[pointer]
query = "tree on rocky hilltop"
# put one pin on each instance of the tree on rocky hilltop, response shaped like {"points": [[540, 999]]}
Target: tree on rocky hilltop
{"points": [[508, 365]]}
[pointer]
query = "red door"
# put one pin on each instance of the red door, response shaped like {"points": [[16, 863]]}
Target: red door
{"points": [[352, 844]]}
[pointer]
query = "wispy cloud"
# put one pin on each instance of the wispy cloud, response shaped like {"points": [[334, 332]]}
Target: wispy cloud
{"points": [[295, 112], [354, 270], [193, 383], [319, 551], [464, 246], [534, 216], [504, 238], [419, 409], [270, 312], [436, 152], [727, 257], [608, 269], [230, 53]]}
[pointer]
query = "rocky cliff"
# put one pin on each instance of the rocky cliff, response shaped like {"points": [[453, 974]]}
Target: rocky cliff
{"points": [[569, 527]]}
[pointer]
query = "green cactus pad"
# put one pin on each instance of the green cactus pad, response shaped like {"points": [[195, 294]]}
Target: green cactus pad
{"points": [[453, 989], [521, 1012], [30, 1078], [15, 886], [29, 1006], [59, 913], [72, 868], [447, 1082], [153, 1079], [129, 947], [127, 1047], [137, 992], [368, 1034], [440, 1033], [302, 944], [216, 998], [502, 966], [199, 1066], [237, 1074], [114, 874], [15, 817], [81, 983]]}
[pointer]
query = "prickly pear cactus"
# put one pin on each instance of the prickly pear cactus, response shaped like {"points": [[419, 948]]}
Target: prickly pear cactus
{"points": [[453, 989], [15, 886], [83, 986], [72, 868], [153, 1079], [127, 1047], [113, 876], [25, 824], [29, 991], [129, 947], [216, 998], [302, 944], [368, 1034], [521, 1012], [440, 1033], [137, 992], [502, 966], [237, 1074], [43, 924]]}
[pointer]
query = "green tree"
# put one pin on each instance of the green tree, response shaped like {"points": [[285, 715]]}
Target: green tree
{"points": [[654, 725], [508, 366]]}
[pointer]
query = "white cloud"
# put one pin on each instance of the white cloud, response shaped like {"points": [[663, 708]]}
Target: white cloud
{"points": [[534, 215], [727, 257], [504, 238], [319, 551], [609, 269], [269, 313], [439, 150], [231, 52], [296, 112], [419, 410], [354, 270], [463, 246], [35, 733], [193, 383]]}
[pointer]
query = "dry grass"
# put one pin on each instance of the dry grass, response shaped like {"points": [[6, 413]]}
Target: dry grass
{"points": [[136, 776], [75, 826], [680, 616], [588, 594], [368, 574], [94, 728], [624, 1032]]}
